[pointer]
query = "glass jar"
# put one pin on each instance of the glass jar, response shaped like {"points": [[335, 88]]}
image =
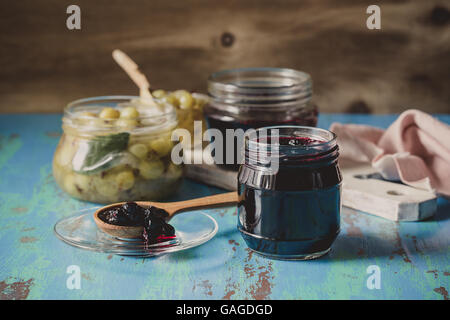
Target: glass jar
{"points": [[189, 107], [292, 210], [122, 157], [258, 97]]}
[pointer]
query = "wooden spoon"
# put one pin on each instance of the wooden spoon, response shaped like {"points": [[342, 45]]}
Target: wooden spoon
{"points": [[172, 208], [132, 69]]}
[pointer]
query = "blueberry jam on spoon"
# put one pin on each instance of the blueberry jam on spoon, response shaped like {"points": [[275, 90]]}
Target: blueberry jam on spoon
{"points": [[156, 229], [153, 219]]}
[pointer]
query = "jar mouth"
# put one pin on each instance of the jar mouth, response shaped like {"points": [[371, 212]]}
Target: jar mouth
{"points": [[255, 80], [266, 144], [154, 120], [319, 138], [250, 86]]}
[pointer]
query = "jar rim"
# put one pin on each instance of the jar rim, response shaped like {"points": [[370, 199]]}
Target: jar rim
{"points": [[261, 154], [241, 92], [250, 80], [297, 131], [169, 113]]}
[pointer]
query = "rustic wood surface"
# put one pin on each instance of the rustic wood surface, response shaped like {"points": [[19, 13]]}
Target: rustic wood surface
{"points": [[43, 65]]}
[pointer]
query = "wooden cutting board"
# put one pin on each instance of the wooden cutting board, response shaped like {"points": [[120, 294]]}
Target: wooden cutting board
{"points": [[363, 189]]}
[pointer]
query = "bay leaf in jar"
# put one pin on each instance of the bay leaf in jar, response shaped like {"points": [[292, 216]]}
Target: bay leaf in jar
{"points": [[99, 153]]}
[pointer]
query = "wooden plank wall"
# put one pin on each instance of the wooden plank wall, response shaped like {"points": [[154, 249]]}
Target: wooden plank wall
{"points": [[178, 44]]}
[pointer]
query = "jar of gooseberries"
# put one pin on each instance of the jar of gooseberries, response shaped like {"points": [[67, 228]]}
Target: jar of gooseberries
{"points": [[189, 108], [117, 148]]}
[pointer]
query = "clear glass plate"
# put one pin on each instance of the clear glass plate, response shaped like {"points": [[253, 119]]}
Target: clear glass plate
{"points": [[79, 230]]}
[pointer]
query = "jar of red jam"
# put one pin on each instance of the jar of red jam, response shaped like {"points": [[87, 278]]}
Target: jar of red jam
{"points": [[258, 97], [290, 210]]}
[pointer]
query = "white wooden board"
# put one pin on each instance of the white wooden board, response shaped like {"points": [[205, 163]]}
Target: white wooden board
{"points": [[364, 191]]}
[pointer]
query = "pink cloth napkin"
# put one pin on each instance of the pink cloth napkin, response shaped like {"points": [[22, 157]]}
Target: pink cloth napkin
{"points": [[415, 149]]}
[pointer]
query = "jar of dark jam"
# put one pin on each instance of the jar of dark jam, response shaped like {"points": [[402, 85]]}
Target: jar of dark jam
{"points": [[290, 210], [257, 97]]}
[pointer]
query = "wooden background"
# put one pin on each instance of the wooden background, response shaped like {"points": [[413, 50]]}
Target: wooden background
{"points": [[178, 44]]}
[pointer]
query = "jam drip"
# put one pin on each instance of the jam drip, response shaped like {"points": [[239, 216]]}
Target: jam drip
{"points": [[153, 219]]}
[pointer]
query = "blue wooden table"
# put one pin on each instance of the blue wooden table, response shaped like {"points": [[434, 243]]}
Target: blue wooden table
{"points": [[413, 258]]}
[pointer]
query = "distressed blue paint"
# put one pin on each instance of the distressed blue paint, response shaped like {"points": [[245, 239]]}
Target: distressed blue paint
{"points": [[413, 257]]}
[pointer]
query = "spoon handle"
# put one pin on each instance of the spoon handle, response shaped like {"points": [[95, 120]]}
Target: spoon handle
{"points": [[210, 201]]}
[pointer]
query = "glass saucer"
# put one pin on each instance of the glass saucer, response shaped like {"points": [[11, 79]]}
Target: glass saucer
{"points": [[79, 230]]}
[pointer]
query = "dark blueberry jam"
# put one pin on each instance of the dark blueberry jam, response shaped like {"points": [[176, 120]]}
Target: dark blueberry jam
{"points": [[292, 212], [309, 119], [153, 219], [292, 141]]}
